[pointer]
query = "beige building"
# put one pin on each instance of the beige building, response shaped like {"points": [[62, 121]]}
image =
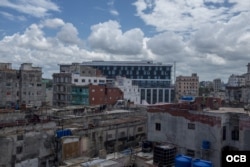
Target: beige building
{"points": [[187, 86]]}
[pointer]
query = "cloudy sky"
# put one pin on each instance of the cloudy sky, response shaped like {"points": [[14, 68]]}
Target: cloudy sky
{"points": [[207, 37]]}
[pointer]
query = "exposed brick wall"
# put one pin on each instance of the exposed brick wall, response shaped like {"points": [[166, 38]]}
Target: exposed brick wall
{"points": [[100, 94], [182, 110]]}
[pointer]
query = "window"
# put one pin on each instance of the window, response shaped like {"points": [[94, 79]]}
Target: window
{"points": [[110, 136], [140, 129], [19, 137], [158, 126], [95, 80], [19, 149], [190, 153], [83, 80], [224, 133], [122, 134], [191, 126], [75, 80], [235, 133]]}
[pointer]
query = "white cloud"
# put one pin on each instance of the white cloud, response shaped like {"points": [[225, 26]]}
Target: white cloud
{"points": [[114, 12], [109, 37], [33, 46], [215, 59], [183, 15], [36, 8], [202, 36], [166, 44], [68, 34], [12, 17], [53, 23]]}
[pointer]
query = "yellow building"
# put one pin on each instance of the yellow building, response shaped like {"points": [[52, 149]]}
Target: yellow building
{"points": [[187, 86]]}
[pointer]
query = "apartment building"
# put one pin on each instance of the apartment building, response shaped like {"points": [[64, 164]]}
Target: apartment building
{"points": [[62, 88], [76, 85], [236, 81], [153, 79], [22, 86], [217, 84], [199, 134], [95, 95], [187, 86]]}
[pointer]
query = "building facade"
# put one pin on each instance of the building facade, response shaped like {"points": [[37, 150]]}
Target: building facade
{"points": [[153, 79], [236, 81], [62, 88], [21, 87], [91, 95], [187, 86], [77, 79], [82, 86], [217, 84], [131, 92], [247, 75], [224, 129]]}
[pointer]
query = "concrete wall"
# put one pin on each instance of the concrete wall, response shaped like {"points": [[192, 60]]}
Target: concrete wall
{"points": [[174, 130], [29, 162], [188, 129], [23, 145]]}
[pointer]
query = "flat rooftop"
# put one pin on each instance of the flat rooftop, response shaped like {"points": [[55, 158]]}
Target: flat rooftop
{"points": [[228, 110]]}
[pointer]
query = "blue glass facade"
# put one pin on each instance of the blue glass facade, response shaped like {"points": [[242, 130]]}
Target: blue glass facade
{"points": [[144, 73]]}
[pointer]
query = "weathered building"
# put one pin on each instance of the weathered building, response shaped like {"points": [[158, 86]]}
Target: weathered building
{"points": [[92, 133], [62, 89], [80, 85], [26, 140], [23, 86], [217, 85], [95, 95], [199, 134]]}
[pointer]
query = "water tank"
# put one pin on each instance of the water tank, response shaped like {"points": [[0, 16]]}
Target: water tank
{"points": [[205, 144], [201, 163], [164, 155], [67, 132], [59, 133], [183, 161]]}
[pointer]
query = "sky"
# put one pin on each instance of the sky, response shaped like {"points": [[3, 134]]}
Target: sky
{"points": [[207, 37]]}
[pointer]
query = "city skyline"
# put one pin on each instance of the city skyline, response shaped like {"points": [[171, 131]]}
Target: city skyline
{"points": [[210, 38]]}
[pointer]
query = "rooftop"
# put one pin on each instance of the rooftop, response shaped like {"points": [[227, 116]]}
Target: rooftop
{"points": [[228, 110]]}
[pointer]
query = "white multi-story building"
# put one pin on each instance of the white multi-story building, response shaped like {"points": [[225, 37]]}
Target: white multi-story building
{"points": [[236, 81], [77, 79], [131, 92]]}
